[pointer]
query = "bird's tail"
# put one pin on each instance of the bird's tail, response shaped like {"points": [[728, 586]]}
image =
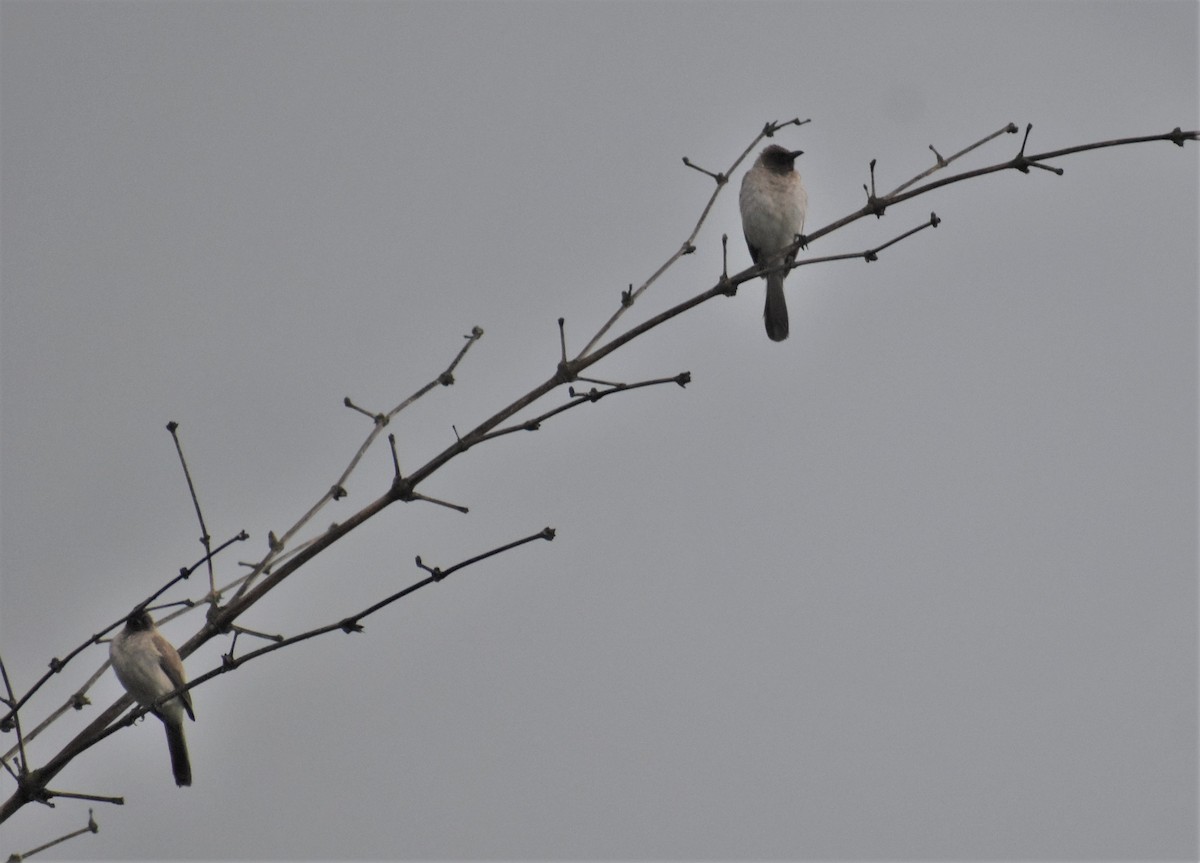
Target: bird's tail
{"points": [[775, 314], [180, 765]]}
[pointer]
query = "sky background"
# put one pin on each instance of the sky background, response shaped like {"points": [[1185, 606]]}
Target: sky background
{"points": [[918, 583]]}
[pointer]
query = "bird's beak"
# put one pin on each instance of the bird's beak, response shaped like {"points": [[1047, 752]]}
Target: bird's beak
{"points": [[796, 153]]}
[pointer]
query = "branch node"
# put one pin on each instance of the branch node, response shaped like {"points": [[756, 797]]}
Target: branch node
{"points": [[435, 572], [566, 372], [683, 378], [1019, 161], [337, 492], [350, 625]]}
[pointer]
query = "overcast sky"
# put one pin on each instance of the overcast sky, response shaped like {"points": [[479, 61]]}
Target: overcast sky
{"points": [[919, 582]]}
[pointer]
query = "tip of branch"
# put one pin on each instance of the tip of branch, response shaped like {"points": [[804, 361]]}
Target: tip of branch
{"points": [[719, 177], [770, 129]]}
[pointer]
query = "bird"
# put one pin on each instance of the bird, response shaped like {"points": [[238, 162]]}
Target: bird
{"points": [[149, 667], [773, 204]]}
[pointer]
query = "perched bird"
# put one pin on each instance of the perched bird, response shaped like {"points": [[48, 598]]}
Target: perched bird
{"points": [[773, 203], [149, 667]]}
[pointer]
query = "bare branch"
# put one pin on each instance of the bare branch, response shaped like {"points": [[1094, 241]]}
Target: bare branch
{"points": [[593, 395], [205, 539], [11, 700], [282, 560], [1010, 129], [338, 490], [91, 827]]}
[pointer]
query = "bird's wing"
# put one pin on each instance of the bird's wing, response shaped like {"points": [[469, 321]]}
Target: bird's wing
{"points": [[753, 249], [172, 666]]}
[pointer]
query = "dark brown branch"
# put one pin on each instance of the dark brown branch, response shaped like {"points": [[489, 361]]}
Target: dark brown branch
{"points": [[11, 700], [338, 490], [592, 395], [32, 785], [1010, 129], [90, 827], [205, 539]]}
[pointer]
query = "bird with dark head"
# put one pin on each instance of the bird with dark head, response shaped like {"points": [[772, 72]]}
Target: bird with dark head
{"points": [[773, 204], [149, 667]]}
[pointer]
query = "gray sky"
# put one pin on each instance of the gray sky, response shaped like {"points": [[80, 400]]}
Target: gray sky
{"points": [[919, 582]]}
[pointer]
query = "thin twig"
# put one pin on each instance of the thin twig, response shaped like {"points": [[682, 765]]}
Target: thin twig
{"points": [[1010, 129], [173, 428], [445, 378], [594, 395]]}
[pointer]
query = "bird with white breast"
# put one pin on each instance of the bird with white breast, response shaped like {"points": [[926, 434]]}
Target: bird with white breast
{"points": [[773, 204]]}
